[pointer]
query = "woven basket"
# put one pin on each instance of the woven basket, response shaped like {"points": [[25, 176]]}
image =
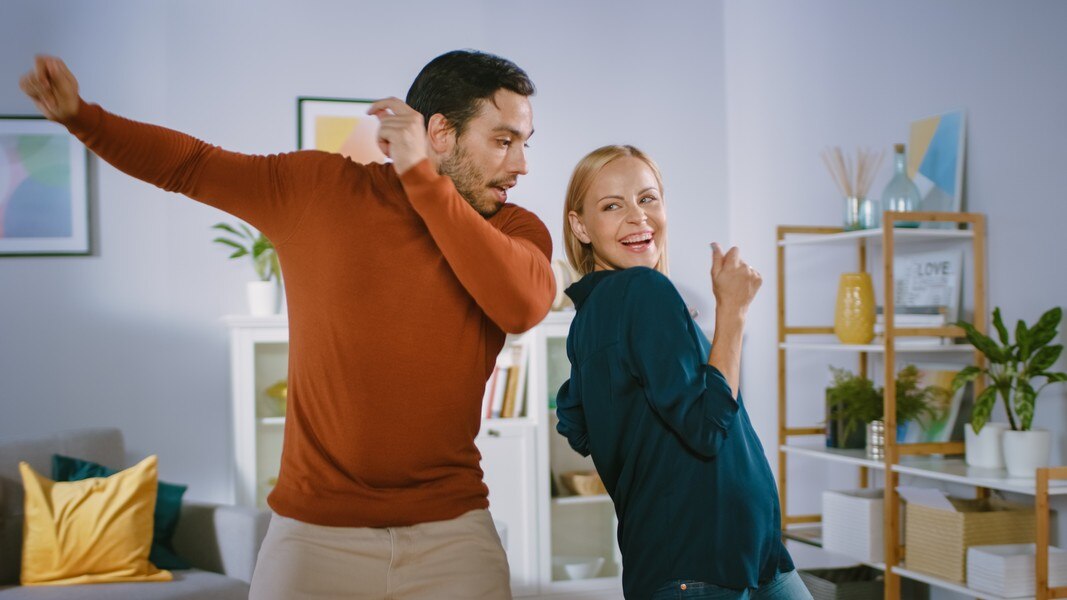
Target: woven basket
{"points": [[583, 483], [937, 540]]}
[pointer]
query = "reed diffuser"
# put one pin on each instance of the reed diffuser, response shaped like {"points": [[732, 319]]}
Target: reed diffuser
{"points": [[861, 211]]}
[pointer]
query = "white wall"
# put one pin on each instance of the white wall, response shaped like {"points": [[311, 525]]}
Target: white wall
{"points": [[801, 76], [131, 337]]}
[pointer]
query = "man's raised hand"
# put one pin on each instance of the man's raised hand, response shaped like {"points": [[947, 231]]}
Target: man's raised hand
{"points": [[402, 135], [52, 87]]}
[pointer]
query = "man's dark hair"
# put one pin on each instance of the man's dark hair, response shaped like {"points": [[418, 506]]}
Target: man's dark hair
{"points": [[455, 83]]}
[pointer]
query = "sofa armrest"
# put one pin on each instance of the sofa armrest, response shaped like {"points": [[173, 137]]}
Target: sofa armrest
{"points": [[220, 538]]}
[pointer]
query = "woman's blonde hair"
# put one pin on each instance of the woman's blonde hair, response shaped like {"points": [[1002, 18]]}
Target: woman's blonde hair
{"points": [[580, 254]]}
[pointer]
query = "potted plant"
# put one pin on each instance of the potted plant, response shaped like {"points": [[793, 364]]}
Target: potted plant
{"points": [[244, 241], [1013, 368], [850, 404], [855, 402]]}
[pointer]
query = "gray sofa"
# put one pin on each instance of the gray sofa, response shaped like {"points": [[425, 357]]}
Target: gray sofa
{"points": [[221, 542]]}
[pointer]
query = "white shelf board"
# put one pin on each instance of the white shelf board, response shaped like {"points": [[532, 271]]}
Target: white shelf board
{"points": [[509, 423], [591, 499], [941, 583], [877, 348], [567, 587], [851, 457], [953, 470], [272, 421], [875, 235], [956, 470]]}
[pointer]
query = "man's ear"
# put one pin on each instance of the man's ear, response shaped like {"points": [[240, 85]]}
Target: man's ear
{"points": [[441, 134], [578, 227]]}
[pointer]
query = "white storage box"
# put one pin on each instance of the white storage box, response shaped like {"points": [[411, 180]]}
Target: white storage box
{"points": [[1007, 570], [852, 524]]}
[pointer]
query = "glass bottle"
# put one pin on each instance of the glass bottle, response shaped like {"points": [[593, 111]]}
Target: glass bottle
{"points": [[901, 194]]}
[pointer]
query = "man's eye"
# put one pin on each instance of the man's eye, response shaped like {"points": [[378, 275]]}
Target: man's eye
{"points": [[504, 143]]}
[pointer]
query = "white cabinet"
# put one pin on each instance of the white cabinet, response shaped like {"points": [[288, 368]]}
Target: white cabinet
{"points": [[519, 456], [509, 463]]}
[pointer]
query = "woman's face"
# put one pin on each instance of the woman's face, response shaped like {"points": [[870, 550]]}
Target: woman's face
{"points": [[622, 216]]}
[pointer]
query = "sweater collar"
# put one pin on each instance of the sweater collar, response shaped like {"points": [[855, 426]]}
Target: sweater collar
{"points": [[580, 290]]}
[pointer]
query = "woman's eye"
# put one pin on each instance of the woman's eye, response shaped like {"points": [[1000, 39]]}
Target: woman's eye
{"points": [[612, 206], [648, 199]]}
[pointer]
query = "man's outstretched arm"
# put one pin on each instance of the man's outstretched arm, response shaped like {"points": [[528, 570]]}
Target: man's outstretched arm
{"points": [[261, 190]]}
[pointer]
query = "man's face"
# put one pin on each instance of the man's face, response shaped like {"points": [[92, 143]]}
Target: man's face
{"points": [[489, 156]]}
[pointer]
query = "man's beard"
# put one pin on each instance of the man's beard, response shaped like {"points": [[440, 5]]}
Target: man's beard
{"points": [[469, 181]]}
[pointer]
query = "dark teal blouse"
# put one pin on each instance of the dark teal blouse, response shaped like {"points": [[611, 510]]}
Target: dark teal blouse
{"points": [[693, 491]]}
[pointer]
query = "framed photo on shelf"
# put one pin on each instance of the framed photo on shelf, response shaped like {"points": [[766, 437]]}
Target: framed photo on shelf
{"points": [[928, 279], [955, 409], [44, 189], [935, 159], [338, 125]]}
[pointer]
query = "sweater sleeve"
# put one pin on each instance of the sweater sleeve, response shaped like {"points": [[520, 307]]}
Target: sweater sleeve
{"points": [[505, 270], [269, 192], [572, 418], [665, 354]]}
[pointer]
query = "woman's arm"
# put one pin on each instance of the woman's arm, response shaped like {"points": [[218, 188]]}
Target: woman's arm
{"points": [[734, 284], [664, 353]]}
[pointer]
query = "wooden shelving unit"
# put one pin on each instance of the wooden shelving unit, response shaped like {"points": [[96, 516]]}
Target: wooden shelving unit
{"points": [[908, 459]]}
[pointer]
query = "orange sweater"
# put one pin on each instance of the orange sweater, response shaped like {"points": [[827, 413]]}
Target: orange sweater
{"points": [[399, 295]]}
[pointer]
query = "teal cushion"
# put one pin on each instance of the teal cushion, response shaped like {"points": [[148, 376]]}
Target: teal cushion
{"points": [[168, 506]]}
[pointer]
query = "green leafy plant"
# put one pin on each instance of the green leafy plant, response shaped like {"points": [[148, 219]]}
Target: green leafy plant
{"points": [[1012, 367], [856, 401], [247, 242]]}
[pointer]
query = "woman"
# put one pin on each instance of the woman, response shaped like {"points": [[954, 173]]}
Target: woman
{"points": [[654, 403]]}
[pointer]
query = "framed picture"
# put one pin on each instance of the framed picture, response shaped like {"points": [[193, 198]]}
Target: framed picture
{"points": [[338, 125], [955, 409], [935, 162], [928, 279], [44, 189]]}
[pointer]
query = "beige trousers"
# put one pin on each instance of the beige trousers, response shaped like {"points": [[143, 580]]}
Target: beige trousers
{"points": [[457, 559]]}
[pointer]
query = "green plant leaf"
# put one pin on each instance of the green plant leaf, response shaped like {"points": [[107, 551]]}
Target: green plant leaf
{"points": [[1044, 331], [239, 253], [1022, 339], [231, 243], [984, 343], [1053, 377], [998, 322], [1024, 404], [966, 376], [225, 227], [983, 408], [1045, 358], [260, 246], [251, 235]]}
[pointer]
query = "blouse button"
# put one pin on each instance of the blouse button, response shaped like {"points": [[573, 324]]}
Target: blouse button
{"points": [[683, 586]]}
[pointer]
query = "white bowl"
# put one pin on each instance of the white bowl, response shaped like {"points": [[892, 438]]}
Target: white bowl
{"points": [[579, 567]]}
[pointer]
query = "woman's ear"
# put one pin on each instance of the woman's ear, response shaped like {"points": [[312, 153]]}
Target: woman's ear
{"points": [[441, 134], [578, 227]]}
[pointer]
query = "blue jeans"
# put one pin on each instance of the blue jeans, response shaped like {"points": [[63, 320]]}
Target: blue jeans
{"points": [[784, 586]]}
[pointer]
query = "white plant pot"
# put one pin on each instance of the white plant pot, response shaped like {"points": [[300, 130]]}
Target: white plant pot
{"points": [[1025, 451], [985, 449], [262, 298]]}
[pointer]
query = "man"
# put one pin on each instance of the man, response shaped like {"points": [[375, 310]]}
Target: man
{"points": [[401, 282]]}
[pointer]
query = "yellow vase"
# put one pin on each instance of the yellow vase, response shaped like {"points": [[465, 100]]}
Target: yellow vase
{"points": [[854, 317]]}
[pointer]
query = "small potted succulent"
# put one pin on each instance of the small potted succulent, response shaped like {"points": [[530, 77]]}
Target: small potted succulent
{"points": [[263, 294], [1013, 371]]}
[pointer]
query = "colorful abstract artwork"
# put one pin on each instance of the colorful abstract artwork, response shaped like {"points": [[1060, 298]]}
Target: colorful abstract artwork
{"points": [[43, 189], [935, 161], [339, 125]]}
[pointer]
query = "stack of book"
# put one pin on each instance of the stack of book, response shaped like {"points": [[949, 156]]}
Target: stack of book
{"points": [[913, 317], [505, 391], [1008, 570]]}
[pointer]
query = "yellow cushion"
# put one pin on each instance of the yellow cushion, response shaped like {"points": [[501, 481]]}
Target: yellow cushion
{"points": [[96, 530]]}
